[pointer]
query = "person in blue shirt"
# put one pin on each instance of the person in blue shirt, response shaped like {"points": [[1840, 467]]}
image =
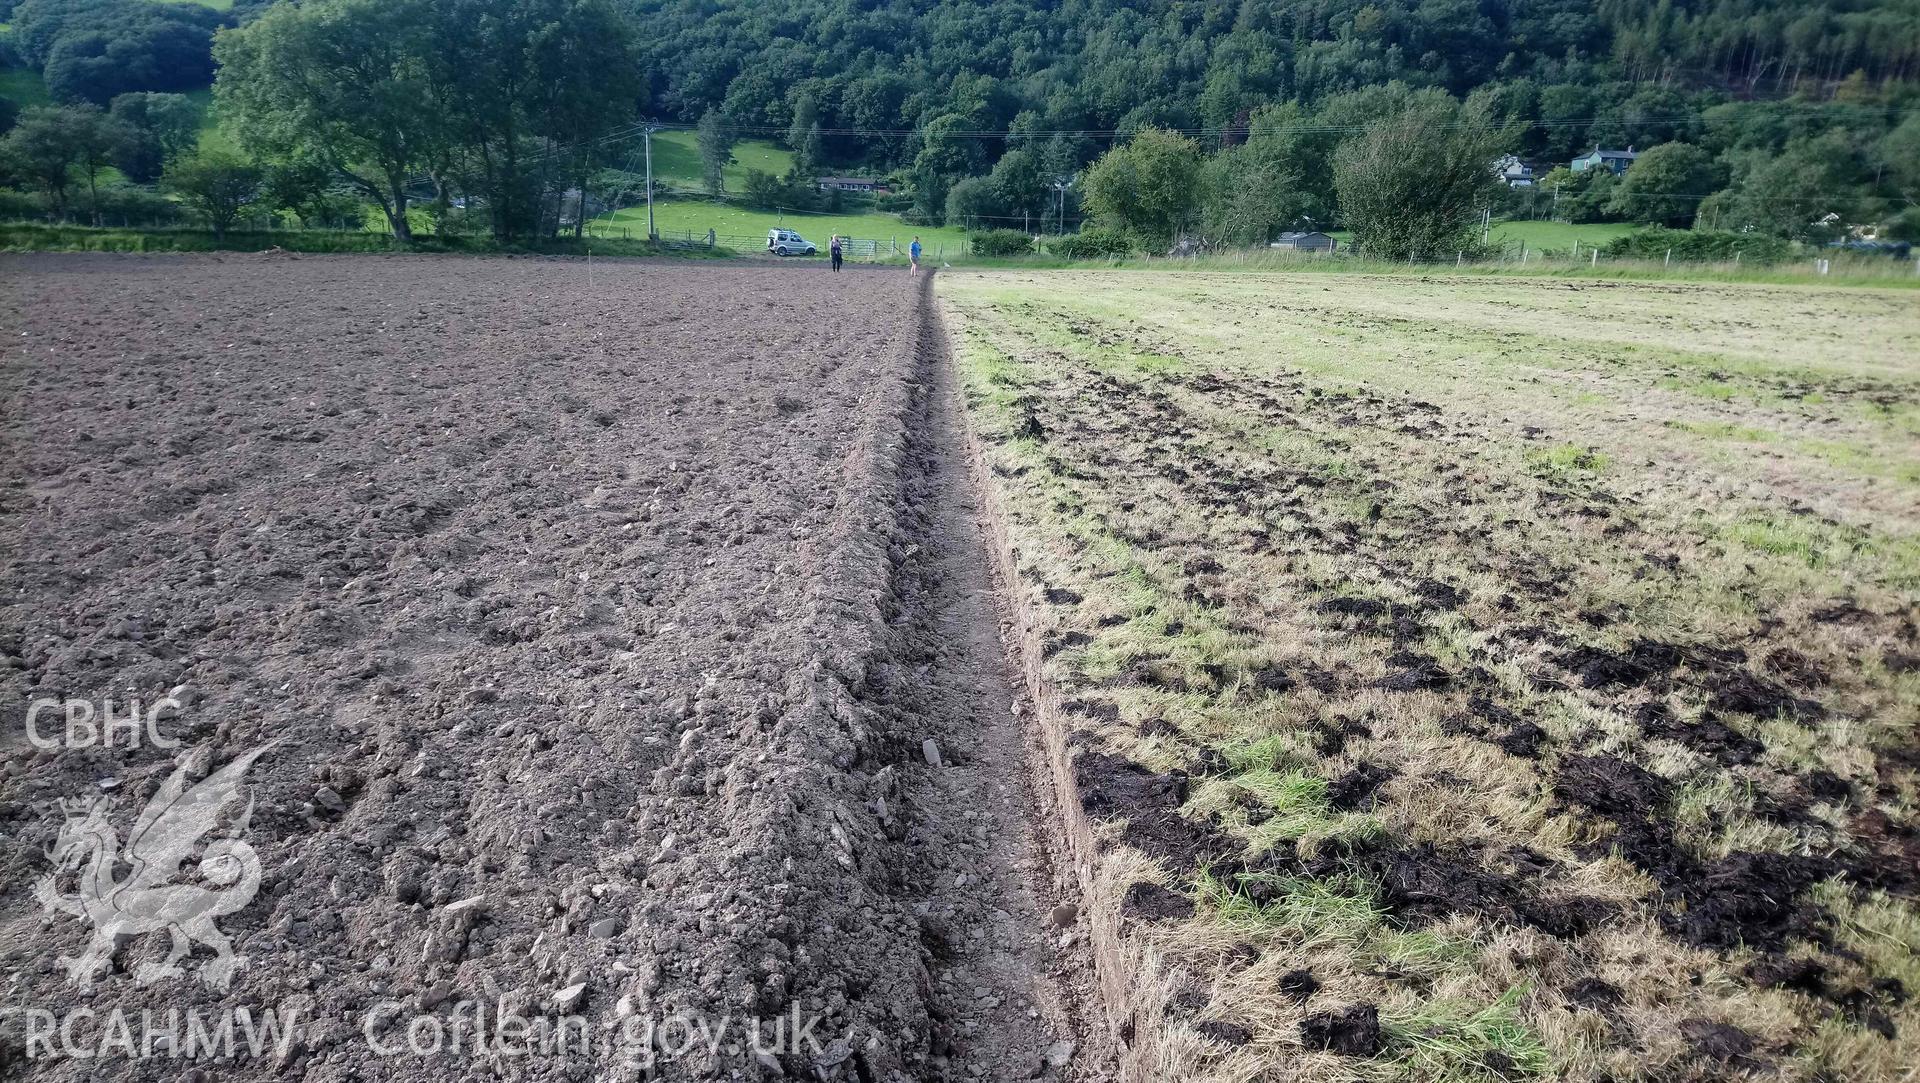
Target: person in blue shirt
{"points": [[913, 257]]}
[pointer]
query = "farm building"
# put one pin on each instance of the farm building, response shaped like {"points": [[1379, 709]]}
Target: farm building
{"points": [[1305, 242], [854, 184], [1615, 160], [1513, 172]]}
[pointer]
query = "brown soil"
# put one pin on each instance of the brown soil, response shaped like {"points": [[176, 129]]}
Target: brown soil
{"points": [[627, 609]]}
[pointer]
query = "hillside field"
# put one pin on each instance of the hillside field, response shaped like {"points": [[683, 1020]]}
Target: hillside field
{"points": [[676, 160], [1476, 679], [23, 87]]}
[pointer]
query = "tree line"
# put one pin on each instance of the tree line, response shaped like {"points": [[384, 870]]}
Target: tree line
{"points": [[458, 112], [1125, 64], [513, 115], [1411, 172]]}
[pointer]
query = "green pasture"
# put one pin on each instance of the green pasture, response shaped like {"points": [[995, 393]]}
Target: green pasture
{"points": [[676, 160], [1557, 236], [696, 216], [23, 87]]}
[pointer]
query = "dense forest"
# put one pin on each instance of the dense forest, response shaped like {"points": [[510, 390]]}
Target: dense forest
{"points": [[1766, 115], [1112, 64]]}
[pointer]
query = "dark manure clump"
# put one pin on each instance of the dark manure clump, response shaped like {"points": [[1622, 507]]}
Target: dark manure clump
{"points": [[1112, 787], [1351, 1032]]}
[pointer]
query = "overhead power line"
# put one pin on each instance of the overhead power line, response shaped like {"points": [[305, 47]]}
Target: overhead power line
{"points": [[636, 130], [1304, 128]]}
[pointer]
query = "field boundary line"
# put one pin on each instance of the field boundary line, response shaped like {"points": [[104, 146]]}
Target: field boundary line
{"points": [[1134, 987]]}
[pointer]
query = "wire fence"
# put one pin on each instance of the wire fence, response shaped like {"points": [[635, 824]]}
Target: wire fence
{"points": [[851, 248], [1807, 262], [1819, 263]]}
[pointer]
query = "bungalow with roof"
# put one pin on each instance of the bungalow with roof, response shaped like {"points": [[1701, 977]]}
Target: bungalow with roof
{"points": [[1305, 241], [1615, 161], [854, 184]]}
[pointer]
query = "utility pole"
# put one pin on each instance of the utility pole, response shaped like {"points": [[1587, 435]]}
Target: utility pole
{"points": [[648, 139]]}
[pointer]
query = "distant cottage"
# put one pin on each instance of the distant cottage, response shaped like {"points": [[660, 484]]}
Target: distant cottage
{"points": [[1616, 161], [1305, 242], [1513, 172], [854, 184]]}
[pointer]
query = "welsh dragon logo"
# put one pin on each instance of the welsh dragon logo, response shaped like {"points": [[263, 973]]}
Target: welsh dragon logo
{"points": [[150, 897]]}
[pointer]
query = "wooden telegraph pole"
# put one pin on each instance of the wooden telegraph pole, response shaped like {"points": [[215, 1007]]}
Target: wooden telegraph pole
{"points": [[652, 234]]}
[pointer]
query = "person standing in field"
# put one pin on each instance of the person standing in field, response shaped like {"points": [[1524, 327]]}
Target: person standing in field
{"points": [[833, 249], [913, 258]]}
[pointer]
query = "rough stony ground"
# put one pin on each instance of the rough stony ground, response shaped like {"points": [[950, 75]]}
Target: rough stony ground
{"points": [[588, 634]]}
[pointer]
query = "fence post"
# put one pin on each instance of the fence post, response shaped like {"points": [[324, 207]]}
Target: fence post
{"points": [[1669, 258], [1595, 261]]}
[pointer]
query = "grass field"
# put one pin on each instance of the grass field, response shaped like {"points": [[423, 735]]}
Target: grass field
{"points": [[211, 136], [23, 87], [1503, 679], [1557, 236], [676, 160], [698, 216], [1550, 236]]}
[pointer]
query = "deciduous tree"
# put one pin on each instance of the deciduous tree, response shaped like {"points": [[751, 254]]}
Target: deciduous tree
{"points": [[527, 85], [1414, 185], [344, 83], [218, 184], [160, 126], [1665, 185], [38, 151], [1147, 186], [1265, 184], [716, 152]]}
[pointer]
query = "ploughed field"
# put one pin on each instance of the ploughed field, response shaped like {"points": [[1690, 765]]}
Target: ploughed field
{"points": [[544, 616], [1477, 679]]}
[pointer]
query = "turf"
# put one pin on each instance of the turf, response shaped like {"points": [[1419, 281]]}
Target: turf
{"points": [[1539, 235], [1557, 236], [683, 216], [23, 87], [676, 160], [1537, 659]]}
